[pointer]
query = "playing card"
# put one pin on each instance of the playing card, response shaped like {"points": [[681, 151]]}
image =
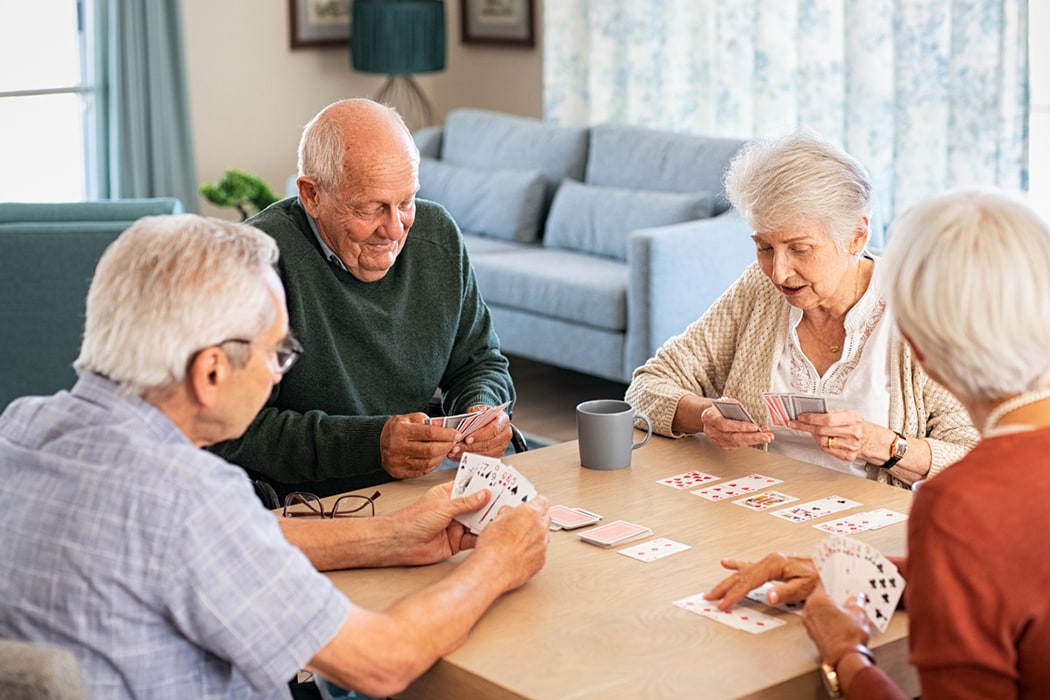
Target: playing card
{"points": [[687, 480], [736, 487], [815, 509], [468, 464], [654, 549], [565, 518], [776, 409], [809, 404], [859, 522], [733, 410], [849, 567], [741, 616], [467, 423], [765, 500], [759, 596], [615, 532], [506, 486]]}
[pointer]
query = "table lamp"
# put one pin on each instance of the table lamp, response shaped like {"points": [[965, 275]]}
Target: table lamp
{"points": [[400, 38]]}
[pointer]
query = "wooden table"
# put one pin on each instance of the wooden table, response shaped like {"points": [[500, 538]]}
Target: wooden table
{"points": [[596, 624]]}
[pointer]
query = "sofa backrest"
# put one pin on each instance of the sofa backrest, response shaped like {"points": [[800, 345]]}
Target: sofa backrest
{"points": [[633, 157], [485, 139], [48, 253]]}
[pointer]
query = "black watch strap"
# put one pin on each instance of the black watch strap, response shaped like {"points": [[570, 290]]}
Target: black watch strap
{"points": [[897, 451]]}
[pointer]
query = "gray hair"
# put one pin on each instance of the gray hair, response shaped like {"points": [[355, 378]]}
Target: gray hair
{"points": [[798, 180], [168, 287], [322, 144], [967, 272]]}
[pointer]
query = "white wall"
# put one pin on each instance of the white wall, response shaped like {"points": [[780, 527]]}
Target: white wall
{"points": [[250, 94]]}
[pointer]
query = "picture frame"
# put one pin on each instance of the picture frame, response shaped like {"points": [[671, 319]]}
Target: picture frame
{"points": [[498, 22], [320, 23]]}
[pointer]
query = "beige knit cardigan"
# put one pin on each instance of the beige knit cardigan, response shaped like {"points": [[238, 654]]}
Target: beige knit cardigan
{"points": [[732, 350]]}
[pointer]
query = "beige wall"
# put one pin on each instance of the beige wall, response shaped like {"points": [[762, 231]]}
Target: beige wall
{"points": [[250, 94]]}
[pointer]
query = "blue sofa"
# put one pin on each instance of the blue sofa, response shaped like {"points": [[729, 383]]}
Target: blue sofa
{"points": [[592, 244], [48, 253]]}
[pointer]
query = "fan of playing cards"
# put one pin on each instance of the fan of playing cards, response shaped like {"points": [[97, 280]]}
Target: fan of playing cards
{"points": [[848, 567], [467, 423], [507, 487]]}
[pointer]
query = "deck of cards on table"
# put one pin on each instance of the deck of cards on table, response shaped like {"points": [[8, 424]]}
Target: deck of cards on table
{"points": [[507, 487]]}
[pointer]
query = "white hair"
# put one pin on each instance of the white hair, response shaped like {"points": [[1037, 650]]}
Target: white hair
{"points": [[168, 287], [969, 278], [799, 180]]}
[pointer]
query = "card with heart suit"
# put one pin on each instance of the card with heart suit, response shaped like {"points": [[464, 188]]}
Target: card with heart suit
{"points": [[765, 500], [654, 549], [688, 480], [759, 596], [815, 509], [859, 522], [616, 532], [849, 567], [506, 486], [732, 488], [741, 616]]}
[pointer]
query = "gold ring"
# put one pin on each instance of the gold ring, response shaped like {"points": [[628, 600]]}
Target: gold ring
{"points": [[831, 443]]}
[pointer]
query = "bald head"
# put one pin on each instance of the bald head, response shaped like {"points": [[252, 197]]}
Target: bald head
{"points": [[347, 139], [358, 177]]}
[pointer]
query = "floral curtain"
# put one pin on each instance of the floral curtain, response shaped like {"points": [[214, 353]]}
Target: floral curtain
{"points": [[927, 94]]}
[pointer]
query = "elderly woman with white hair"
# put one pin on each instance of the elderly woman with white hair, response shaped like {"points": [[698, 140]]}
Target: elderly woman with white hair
{"points": [[808, 317], [967, 274]]}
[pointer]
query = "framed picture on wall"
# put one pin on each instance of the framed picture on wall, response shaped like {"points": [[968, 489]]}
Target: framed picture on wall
{"points": [[508, 22], [320, 22]]}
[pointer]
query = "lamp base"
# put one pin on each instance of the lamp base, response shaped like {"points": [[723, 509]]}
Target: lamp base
{"points": [[403, 93]]}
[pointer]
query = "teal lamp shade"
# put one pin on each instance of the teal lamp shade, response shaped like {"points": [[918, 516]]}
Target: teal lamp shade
{"points": [[398, 37]]}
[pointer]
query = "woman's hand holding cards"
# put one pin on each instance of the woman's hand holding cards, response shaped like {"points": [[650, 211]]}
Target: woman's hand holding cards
{"points": [[727, 424]]}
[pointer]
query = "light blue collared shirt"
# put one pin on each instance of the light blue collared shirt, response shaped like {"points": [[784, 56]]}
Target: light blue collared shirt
{"points": [[329, 254]]}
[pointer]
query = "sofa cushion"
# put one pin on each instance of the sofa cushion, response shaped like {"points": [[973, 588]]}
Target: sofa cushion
{"points": [[501, 203], [634, 157], [484, 139], [598, 220], [560, 284]]}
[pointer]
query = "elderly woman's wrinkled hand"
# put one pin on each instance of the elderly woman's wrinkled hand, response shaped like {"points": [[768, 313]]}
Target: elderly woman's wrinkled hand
{"points": [[839, 432], [834, 628], [728, 434], [796, 578]]}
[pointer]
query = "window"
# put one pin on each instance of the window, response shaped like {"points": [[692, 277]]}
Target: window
{"points": [[46, 102]]}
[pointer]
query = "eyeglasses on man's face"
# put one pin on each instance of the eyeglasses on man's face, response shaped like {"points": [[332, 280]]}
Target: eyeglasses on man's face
{"points": [[286, 353], [300, 504]]}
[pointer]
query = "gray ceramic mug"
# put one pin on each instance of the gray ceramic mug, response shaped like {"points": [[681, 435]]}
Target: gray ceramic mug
{"points": [[605, 429]]}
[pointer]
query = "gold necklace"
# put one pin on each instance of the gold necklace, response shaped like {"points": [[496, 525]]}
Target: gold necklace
{"points": [[836, 348]]}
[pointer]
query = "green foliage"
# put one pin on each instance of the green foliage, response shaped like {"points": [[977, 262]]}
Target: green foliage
{"points": [[244, 191]]}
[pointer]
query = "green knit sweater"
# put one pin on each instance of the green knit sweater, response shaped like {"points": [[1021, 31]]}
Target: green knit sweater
{"points": [[372, 350]]}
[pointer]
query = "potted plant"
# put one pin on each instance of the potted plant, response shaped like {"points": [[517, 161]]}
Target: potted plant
{"points": [[245, 192]]}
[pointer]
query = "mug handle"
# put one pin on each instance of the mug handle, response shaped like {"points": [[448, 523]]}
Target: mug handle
{"points": [[648, 431]]}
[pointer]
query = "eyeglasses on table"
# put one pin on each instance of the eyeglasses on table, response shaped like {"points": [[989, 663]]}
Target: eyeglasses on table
{"points": [[302, 504]]}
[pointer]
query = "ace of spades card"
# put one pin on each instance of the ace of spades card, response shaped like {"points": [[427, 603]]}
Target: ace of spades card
{"points": [[506, 486]]}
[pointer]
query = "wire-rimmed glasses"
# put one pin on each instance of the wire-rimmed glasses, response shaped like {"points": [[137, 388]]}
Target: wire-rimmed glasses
{"points": [[302, 504], [286, 353]]}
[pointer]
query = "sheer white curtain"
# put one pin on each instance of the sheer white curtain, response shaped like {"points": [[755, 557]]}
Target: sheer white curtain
{"points": [[926, 93]]}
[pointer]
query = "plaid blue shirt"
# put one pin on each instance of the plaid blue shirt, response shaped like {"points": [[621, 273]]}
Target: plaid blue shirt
{"points": [[150, 559]]}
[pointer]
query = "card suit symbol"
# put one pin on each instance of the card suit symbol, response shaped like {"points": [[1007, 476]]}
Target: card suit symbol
{"points": [[878, 614], [885, 597]]}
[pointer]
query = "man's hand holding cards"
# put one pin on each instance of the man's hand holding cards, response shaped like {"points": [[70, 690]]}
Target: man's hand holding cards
{"points": [[506, 486]]}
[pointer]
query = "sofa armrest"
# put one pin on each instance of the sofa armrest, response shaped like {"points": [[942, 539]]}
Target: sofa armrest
{"points": [[428, 141], [675, 273]]}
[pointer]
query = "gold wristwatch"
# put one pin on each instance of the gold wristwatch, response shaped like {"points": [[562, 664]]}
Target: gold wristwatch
{"points": [[830, 677], [897, 450]]}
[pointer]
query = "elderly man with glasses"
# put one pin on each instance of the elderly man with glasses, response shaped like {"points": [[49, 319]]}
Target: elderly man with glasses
{"points": [[152, 560]]}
